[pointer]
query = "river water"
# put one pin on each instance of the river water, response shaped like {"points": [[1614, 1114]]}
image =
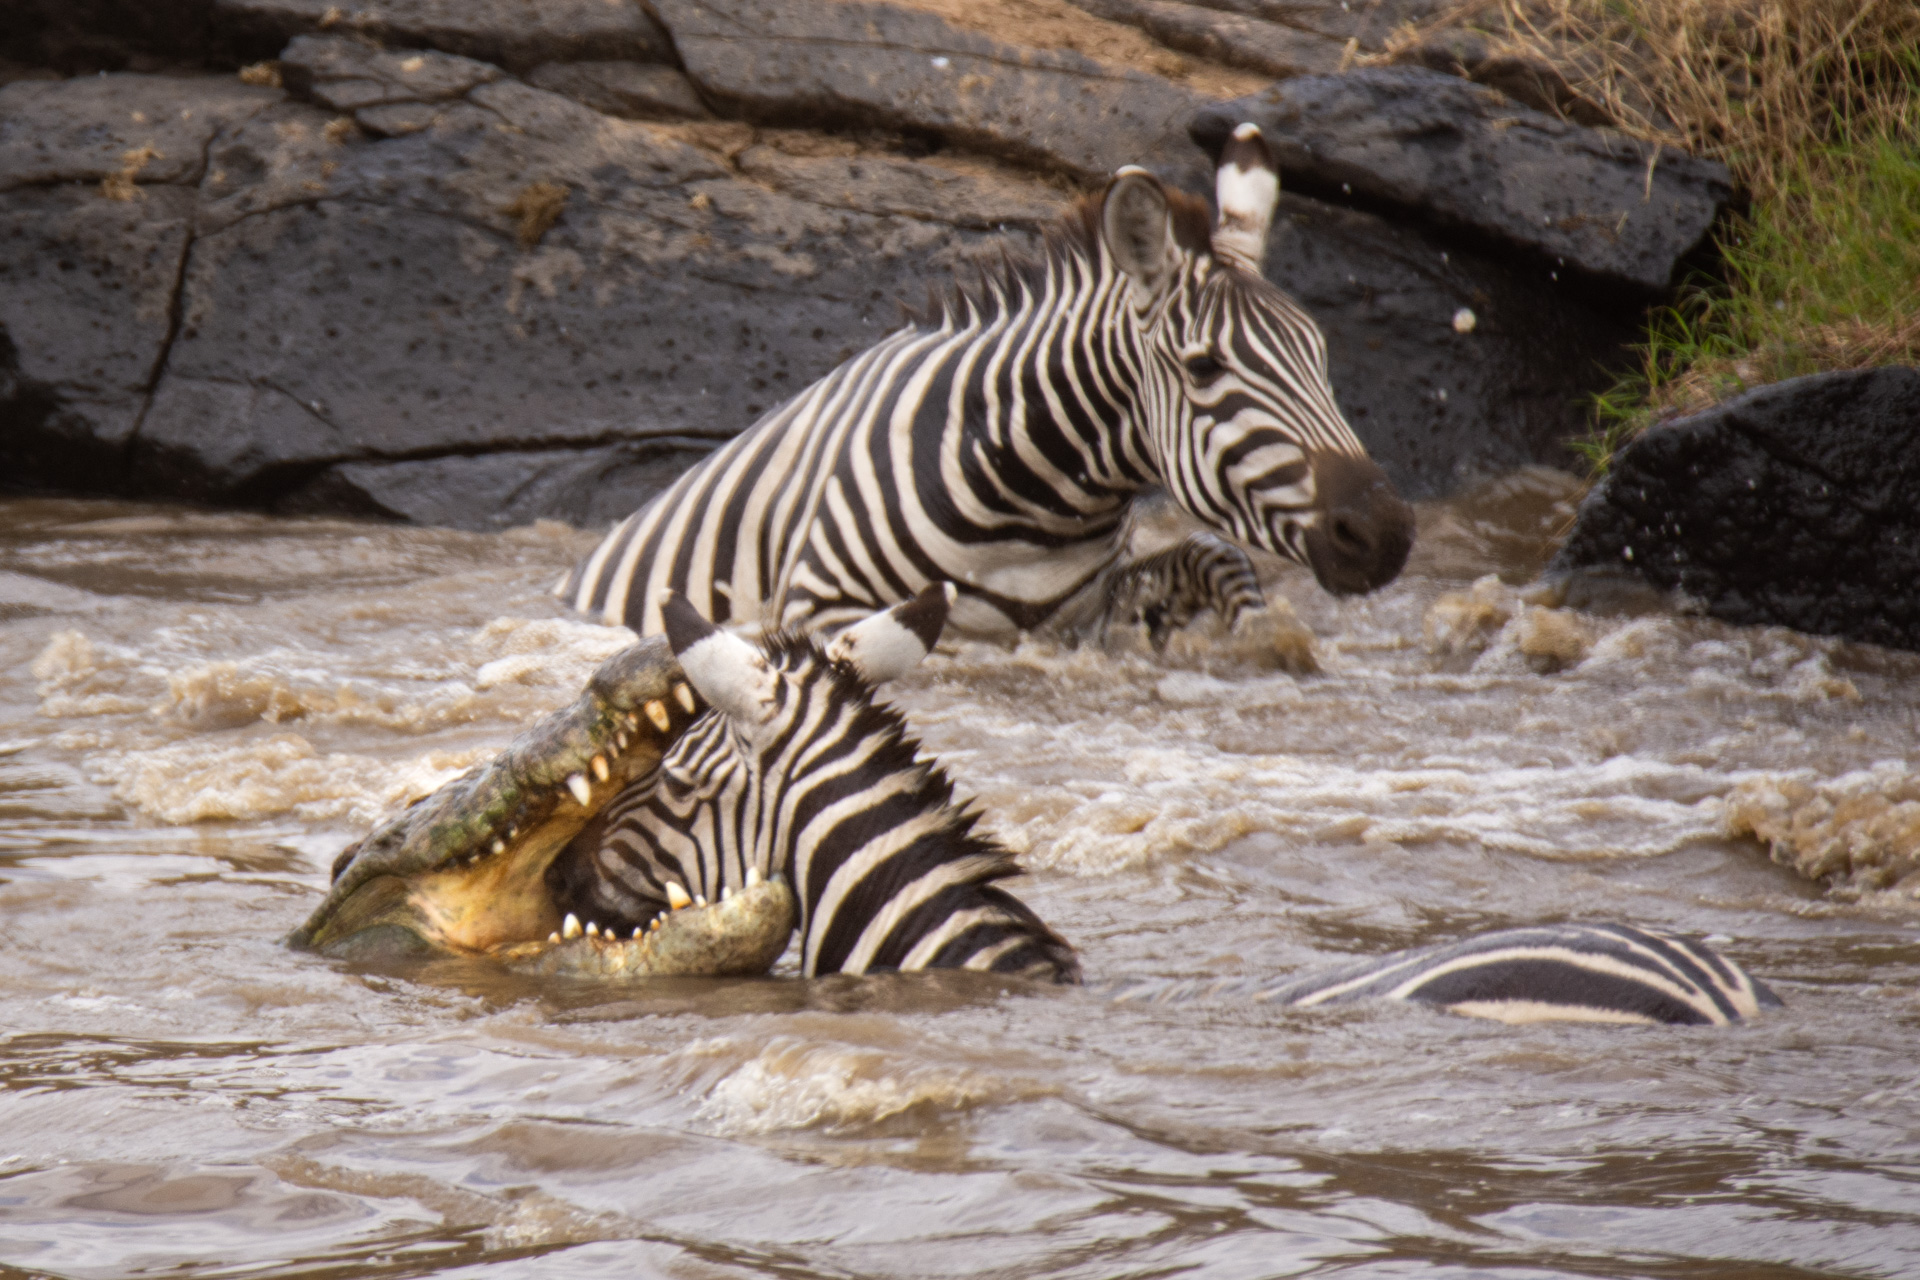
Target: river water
{"points": [[198, 710]]}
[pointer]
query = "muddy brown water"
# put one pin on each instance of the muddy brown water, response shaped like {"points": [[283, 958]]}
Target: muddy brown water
{"points": [[198, 710]]}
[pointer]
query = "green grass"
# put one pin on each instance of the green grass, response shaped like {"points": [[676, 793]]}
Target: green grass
{"points": [[1822, 274]]}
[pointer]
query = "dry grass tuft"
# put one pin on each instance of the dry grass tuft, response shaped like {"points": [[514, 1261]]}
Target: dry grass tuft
{"points": [[123, 185], [1758, 84], [537, 207]]}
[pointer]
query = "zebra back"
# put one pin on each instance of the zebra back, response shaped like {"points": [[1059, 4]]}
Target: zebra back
{"points": [[1536, 973]]}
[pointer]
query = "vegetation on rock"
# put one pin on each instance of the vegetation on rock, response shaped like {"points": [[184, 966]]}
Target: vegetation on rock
{"points": [[1815, 106]]}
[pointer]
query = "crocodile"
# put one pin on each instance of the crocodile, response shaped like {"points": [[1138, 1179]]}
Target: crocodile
{"points": [[464, 870]]}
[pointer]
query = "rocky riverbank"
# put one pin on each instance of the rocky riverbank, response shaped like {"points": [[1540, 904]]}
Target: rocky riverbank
{"points": [[472, 264]]}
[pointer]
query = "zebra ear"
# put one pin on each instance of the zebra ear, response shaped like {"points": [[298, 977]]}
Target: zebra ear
{"points": [[729, 673], [1247, 187], [892, 643], [1137, 227]]}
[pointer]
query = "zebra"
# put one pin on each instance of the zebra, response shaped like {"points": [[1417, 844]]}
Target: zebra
{"points": [[999, 442], [797, 770]]}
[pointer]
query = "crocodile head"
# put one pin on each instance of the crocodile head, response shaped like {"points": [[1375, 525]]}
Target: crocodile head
{"points": [[463, 871]]}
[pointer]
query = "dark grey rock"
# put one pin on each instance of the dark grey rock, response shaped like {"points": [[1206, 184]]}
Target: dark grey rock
{"points": [[630, 90], [1239, 40], [1465, 157], [922, 189], [152, 128], [86, 287], [504, 489], [849, 64], [1793, 504], [1366, 22], [1437, 408], [93, 234], [348, 74], [516, 34], [326, 300]]}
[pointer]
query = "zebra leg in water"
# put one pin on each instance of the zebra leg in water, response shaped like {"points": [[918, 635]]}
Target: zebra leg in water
{"points": [[1169, 589], [811, 778]]}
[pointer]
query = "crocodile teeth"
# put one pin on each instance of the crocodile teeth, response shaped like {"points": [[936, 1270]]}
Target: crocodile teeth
{"points": [[655, 924], [699, 899], [620, 739], [593, 930], [677, 897], [553, 937], [685, 697], [726, 892], [753, 876], [570, 927], [499, 846], [599, 768], [577, 783], [637, 931], [657, 712]]}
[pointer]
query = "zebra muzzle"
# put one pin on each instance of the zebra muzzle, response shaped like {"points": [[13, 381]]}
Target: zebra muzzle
{"points": [[1362, 530]]}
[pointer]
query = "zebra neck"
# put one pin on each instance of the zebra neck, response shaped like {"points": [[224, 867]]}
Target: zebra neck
{"points": [[1051, 369]]}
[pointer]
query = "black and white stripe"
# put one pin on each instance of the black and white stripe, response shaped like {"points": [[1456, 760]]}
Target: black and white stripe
{"points": [[998, 445], [1562, 972]]}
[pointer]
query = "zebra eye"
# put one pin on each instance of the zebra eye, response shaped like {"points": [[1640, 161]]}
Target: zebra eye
{"points": [[1203, 368]]}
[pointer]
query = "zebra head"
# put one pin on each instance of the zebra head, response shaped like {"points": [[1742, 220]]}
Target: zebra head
{"points": [[888, 870], [1233, 397]]}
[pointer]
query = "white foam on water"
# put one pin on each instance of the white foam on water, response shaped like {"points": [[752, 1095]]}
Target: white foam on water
{"points": [[791, 1083]]}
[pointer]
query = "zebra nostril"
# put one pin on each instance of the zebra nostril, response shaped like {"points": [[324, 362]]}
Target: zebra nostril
{"points": [[1351, 536]]}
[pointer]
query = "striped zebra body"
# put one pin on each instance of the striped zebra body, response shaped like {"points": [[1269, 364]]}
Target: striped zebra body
{"points": [[1564, 972], [998, 445], [797, 771]]}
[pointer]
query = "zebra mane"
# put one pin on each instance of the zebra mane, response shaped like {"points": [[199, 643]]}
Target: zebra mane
{"points": [[898, 752], [1071, 240]]}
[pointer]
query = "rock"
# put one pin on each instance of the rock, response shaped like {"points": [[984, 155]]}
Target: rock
{"points": [[348, 75], [1792, 504], [503, 489], [844, 63], [336, 316], [86, 286], [1366, 22], [515, 34], [630, 90], [1233, 38], [1465, 158], [93, 233], [1439, 408], [1458, 52], [930, 190], [92, 128]]}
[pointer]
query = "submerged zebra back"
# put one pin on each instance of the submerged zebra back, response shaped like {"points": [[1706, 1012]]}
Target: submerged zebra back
{"points": [[1561, 972]]}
